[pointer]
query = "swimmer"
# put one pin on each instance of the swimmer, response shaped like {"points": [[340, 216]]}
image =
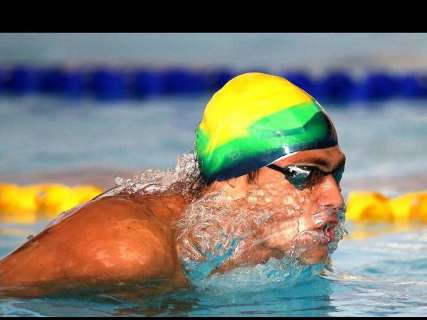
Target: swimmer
{"points": [[264, 182]]}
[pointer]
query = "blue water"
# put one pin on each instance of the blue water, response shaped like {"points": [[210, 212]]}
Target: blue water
{"points": [[381, 274]]}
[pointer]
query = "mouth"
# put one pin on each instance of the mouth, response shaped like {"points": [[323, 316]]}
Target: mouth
{"points": [[326, 232], [329, 231]]}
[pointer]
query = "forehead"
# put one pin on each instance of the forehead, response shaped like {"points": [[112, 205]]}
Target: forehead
{"points": [[326, 159]]}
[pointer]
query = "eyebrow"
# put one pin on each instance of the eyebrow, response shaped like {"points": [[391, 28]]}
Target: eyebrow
{"points": [[324, 163]]}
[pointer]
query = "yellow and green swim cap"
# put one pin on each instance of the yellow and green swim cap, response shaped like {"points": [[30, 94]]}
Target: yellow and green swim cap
{"points": [[254, 120]]}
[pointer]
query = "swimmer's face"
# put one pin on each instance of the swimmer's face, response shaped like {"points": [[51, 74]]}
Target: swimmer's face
{"points": [[270, 216], [304, 218]]}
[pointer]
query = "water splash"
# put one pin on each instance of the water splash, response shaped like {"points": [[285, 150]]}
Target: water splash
{"points": [[281, 273], [184, 178], [197, 271]]}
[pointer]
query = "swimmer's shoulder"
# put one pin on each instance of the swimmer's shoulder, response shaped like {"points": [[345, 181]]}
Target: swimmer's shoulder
{"points": [[167, 207], [108, 240]]}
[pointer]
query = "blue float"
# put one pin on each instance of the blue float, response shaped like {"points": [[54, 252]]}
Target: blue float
{"points": [[336, 86], [377, 86], [2, 79], [107, 84], [60, 82], [145, 83], [179, 80], [74, 83], [23, 80], [413, 85], [51, 80]]}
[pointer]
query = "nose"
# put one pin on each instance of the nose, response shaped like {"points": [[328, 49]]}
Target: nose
{"points": [[329, 193]]}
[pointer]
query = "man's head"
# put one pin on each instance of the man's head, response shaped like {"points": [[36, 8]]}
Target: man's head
{"points": [[271, 149], [254, 120]]}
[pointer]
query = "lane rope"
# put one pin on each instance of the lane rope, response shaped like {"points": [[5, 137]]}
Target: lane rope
{"points": [[108, 84]]}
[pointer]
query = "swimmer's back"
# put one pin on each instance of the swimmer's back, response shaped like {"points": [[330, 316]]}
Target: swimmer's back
{"points": [[107, 242]]}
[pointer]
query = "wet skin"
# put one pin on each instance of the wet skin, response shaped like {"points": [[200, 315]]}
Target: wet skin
{"points": [[131, 240]]}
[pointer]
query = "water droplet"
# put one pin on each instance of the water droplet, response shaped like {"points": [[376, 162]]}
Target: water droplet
{"points": [[118, 181]]}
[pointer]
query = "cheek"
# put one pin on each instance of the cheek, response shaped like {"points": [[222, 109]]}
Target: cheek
{"points": [[286, 196]]}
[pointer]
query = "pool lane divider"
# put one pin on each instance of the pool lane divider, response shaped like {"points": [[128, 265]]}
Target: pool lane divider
{"points": [[110, 84], [28, 203], [369, 207]]}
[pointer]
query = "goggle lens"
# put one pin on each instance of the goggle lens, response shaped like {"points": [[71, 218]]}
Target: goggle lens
{"points": [[302, 176]]}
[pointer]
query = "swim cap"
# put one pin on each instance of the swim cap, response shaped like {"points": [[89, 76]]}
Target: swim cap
{"points": [[254, 120]]}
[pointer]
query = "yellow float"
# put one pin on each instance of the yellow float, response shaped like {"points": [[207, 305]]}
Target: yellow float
{"points": [[374, 207], [368, 207], [26, 204]]}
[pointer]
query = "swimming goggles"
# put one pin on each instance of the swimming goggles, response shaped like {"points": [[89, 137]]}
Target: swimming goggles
{"points": [[303, 176]]}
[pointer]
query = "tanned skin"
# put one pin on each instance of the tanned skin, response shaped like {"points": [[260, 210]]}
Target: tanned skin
{"points": [[130, 240]]}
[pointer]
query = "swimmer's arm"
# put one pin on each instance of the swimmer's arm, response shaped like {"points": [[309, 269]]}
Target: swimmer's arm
{"points": [[107, 242]]}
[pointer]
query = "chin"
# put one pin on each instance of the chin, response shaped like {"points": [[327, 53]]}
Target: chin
{"points": [[316, 255]]}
